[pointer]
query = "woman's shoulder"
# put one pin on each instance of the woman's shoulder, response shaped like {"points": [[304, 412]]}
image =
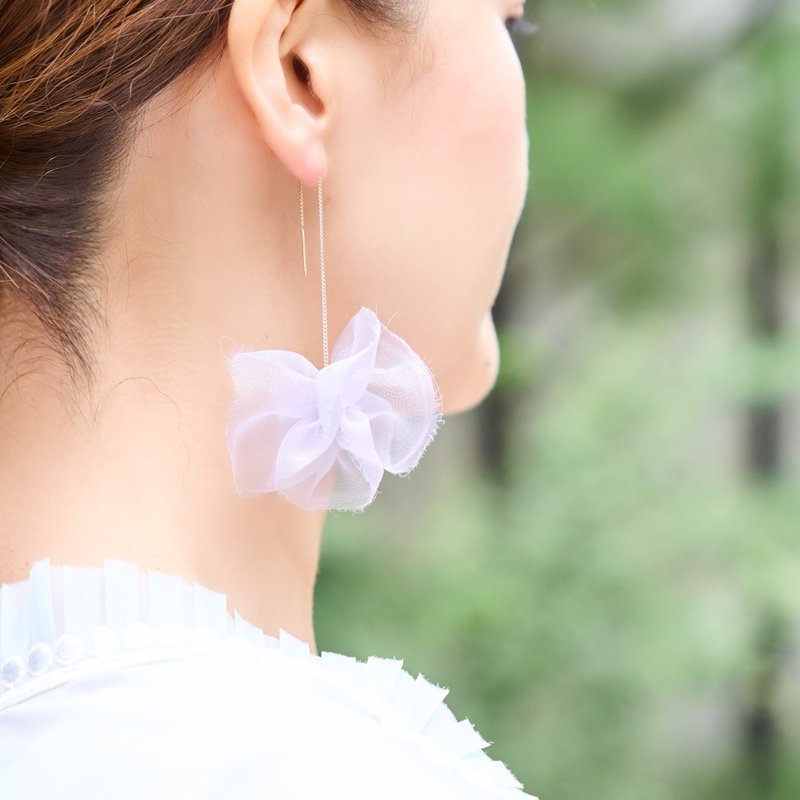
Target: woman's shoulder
{"points": [[171, 696]]}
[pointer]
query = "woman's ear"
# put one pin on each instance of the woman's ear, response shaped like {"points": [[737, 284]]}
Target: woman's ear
{"points": [[277, 82]]}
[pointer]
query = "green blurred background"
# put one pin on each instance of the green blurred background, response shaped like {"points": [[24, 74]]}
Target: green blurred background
{"points": [[602, 561]]}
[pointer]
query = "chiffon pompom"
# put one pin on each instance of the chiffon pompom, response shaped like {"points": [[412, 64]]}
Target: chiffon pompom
{"points": [[323, 438]]}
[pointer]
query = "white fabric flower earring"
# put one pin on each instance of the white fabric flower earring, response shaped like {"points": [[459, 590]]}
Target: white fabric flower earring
{"points": [[323, 438]]}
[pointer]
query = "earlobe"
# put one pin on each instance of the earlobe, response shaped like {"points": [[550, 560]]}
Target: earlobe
{"points": [[278, 88]]}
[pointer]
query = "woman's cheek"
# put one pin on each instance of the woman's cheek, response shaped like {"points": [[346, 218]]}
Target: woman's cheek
{"points": [[483, 137]]}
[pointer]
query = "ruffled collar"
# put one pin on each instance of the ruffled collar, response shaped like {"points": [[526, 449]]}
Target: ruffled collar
{"points": [[65, 621]]}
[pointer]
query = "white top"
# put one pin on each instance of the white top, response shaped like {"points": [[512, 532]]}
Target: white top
{"points": [[115, 683]]}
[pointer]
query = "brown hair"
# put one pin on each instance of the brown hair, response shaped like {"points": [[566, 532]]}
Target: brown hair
{"points": [[73, 75]]}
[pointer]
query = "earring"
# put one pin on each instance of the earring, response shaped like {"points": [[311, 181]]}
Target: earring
{"points": [[323, 438]]}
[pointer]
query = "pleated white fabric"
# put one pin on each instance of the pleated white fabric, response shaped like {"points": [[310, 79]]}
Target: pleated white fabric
{"points": [[115, 683]]}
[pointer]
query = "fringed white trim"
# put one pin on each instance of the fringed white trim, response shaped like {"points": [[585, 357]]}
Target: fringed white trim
{"points": [[65, 622]]}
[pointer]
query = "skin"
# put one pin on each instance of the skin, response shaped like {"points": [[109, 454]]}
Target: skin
{"points": [[422, 144]]}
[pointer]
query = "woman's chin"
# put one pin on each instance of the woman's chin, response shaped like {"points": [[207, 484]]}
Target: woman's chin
{"points": [[470, 385]]}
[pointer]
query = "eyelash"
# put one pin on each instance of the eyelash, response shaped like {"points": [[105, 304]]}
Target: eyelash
{"points": [[517, 26]]}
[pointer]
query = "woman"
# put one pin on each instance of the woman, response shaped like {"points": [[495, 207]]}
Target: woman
{"points": [[163, 164]]}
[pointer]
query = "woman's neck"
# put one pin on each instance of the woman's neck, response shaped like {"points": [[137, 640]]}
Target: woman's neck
{"points": [[141, 472], [137, 466]]}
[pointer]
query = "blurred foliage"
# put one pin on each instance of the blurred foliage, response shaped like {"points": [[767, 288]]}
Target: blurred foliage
{"points": [[620, 613]]}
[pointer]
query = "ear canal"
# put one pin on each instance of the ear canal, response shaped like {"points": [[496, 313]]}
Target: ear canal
{"points": [[303, 74], [301, 70]]}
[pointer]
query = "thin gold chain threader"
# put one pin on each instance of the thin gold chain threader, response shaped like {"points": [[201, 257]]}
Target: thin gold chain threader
{"points": [[322, 276], [303, 230], [323, 286]]}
